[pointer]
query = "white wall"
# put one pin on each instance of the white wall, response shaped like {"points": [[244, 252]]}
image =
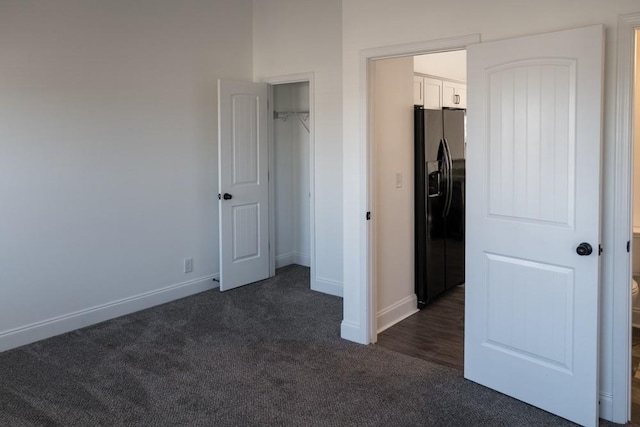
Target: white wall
{"points": [[376, 23], [393, 216], [449, 65], [305, 36], [291, 175], [108, 154]]}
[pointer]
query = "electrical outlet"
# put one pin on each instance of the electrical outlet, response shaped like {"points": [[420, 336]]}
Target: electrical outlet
{"points": [[188, 265]]}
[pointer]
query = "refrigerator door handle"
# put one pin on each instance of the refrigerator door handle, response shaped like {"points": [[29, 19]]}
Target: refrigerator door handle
{"points": [[449, 179]]}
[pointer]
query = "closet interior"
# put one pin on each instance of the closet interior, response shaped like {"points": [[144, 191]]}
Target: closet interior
{"points": [[291, 147]]}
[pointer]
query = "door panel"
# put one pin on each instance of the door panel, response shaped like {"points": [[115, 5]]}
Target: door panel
{"points": [[532, 140], [533, 168], [242, 156]]}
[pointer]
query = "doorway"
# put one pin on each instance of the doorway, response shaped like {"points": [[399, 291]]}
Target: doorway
{"points": [[292, 212], [431, 87], [266, 159], [635, 243], [492, 353], [620, 404]]}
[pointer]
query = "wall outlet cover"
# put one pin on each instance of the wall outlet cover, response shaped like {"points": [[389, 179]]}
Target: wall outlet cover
{"points": [[188, 265]]}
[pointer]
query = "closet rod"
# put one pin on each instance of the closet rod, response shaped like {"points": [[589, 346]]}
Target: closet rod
{"points": [[303, 116], [287, 114]]}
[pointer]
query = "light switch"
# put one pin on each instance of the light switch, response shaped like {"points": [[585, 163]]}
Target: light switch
{"points": [[398, 180]]}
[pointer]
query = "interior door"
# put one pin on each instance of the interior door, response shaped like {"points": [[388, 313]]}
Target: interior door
{"points": [[243, 183], [533, 210]]}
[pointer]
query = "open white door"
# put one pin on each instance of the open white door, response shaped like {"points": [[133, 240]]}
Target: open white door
{"points": [[243, 183], [533, 179]]}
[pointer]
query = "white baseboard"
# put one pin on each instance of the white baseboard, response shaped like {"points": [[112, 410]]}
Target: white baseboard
{"points": [[326, 286], [293, 258], [606, 406], [396, 312], [284, 260], [59, 325], [351, 332], [302, 259]]}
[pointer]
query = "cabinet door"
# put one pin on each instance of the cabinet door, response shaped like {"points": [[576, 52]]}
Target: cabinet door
{"points": [[461, 91], [418, 90], [454, 95], [432, 94]]}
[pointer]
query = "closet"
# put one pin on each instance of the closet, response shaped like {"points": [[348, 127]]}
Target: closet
{"points": [[291, 174]]}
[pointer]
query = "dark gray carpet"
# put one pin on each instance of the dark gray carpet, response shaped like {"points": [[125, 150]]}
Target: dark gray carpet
{"points": [[264, 354]]}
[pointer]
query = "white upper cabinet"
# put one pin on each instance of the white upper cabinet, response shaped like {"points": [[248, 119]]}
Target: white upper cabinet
{"points": [[432, 93], [418, 90], [454, 95]]}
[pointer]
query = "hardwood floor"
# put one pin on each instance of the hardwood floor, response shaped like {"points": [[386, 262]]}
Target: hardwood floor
{"points": [[436, 333]]}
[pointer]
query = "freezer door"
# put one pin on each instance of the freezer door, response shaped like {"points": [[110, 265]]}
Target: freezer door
{"points": [[455, 209], [453, 125]]}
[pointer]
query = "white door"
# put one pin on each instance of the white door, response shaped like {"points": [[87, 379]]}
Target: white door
{"points": [[243, 183], [533, 180]]}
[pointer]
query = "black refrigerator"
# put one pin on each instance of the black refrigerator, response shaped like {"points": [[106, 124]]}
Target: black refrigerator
{"points": [[439, 201]]}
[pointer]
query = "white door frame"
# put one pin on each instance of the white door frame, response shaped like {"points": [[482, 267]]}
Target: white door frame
{"points": [[368, 309], [622, 211], [278, 80]]}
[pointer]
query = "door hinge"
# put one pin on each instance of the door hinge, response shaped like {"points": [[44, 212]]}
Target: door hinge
{"points": [[628, 245], [600, 250], [368, 216]]}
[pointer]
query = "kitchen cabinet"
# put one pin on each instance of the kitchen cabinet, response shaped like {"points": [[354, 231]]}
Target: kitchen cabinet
{"points": [[454, 95], [418, 90], [433, 93]]}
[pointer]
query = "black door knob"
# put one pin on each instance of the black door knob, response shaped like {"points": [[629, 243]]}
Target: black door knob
{"points": [[227, 196], [584, 249]]}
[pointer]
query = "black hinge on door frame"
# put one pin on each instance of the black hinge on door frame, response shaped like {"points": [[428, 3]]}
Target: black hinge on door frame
{"points": [[368, 216], [600, 249], [628, 246]]}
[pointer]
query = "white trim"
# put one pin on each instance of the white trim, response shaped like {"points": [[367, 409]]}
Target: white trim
{"points": [[621, 340], [327, 286], [352, 332], [293, 258], [284, 260], [363, 330], [606, 406], [302, 259], [286, 79], [273, 264], [371, 249], [397, 312], [100, 313]]}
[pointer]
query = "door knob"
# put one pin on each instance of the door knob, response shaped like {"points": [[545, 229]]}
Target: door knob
{"points": [[228, 196], [584, 249]]}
